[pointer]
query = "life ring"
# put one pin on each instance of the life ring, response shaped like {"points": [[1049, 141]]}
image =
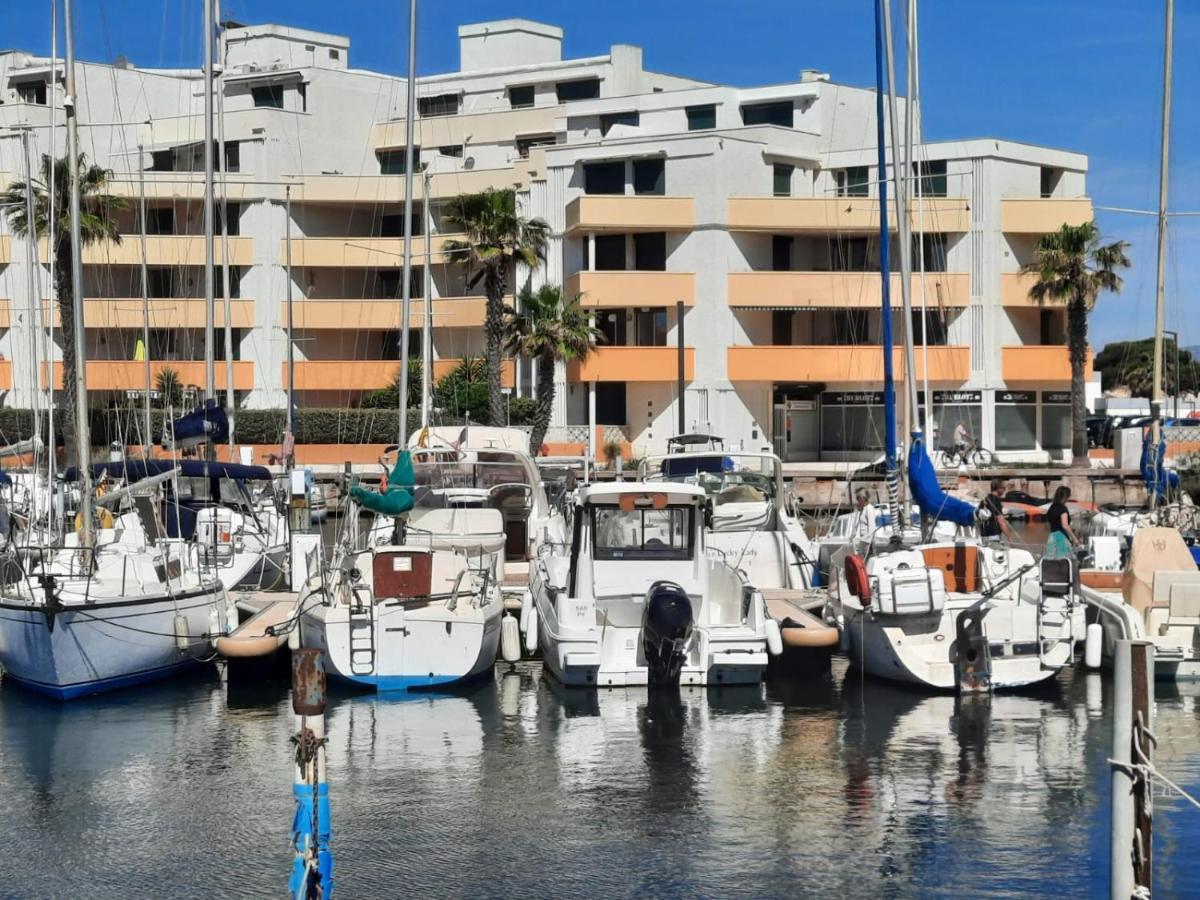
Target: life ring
{"points": [[857, 579]]}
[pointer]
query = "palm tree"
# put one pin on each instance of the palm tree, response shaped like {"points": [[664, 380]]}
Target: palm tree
{"points": [[1072, 268], [170, 388], [548, 328], [96, 223], [496, 238]]}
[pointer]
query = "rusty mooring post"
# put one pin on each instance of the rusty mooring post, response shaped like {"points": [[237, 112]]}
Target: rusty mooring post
{"points": [[1132, 850], [312, 868]]}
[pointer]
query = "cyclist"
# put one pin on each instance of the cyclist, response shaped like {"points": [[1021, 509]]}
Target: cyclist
{"points": [[964, 441]]}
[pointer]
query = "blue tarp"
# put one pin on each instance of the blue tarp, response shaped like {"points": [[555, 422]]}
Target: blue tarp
{"points": [[678, 466], [136, 469], [928, 494], [397, 497], [1159, 480], [209, 422]]}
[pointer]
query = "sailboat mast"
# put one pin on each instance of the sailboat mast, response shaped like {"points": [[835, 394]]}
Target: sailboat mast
{"points": [[209, 317], [230, 399], [83, 440], [33, 266], [406, 289], [51, 248], [913, 70], [900, 168], [291, 344], [427, 324], [146, 425], [885, 286], [1160, 305]]}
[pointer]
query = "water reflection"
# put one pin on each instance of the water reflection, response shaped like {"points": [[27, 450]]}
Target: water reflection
{"points": [[830, 786]]}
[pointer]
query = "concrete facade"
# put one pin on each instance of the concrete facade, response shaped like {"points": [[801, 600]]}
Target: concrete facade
{"points": [[754, 207]]}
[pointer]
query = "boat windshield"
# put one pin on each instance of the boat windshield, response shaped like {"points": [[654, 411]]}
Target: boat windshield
{"points": [[642, 533], [503, 485], [726, 478]]}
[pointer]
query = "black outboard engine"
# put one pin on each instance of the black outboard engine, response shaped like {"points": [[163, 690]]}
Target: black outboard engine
{"points": [[666, 630]]}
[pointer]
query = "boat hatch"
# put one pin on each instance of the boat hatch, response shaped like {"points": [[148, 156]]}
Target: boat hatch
{"points": [[402, 573], [960, 563]]}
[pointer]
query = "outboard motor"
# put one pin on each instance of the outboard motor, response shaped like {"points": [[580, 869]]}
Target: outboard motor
{"points": [[666, 629]]}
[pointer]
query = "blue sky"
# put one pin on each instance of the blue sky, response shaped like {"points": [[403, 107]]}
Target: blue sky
{"points": [[1080, 74]]}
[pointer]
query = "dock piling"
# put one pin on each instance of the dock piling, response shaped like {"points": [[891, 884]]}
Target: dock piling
{"points": [[1131, 847]]}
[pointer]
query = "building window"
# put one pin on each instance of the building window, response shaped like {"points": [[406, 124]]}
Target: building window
{"points": [[334, 54], [852, 255], [610, 253], [604, 178], [849, 327], [454, 150], [768, 114], [931, 177], [1049, 180], [233, 156], [32, 92], [391, 162], [302, 93], [934, 328], [521, 96], [929, 250], [1056, 420], [853, 182], [610, 403], [781, 253], [783, 180], [160, 220], [160, 281], [1016, 420], [651, 327], [649, 176], [700, 118], [438, 105], [268, 95], [781, 327], [650, 251], [235, 218], [608, 120], [612, 326], [162, 161], [571, 91], [392, 224], [527, 143]]}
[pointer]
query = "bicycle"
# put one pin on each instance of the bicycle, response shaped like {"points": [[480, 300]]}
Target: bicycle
{"points": [[972, 457]]}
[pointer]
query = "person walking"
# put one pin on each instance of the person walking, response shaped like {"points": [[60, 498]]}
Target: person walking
{"points": [[994, 525], [1062, 540]]}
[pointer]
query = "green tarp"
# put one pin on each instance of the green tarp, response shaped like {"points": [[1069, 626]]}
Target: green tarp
{"points": [[394, 499]]}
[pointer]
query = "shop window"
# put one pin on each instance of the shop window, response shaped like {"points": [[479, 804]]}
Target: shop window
{"points": [[521, 96], [572, 91], [703, 117], [952, 407], [650, 251], [779, 113], [610, 253], [852, 422], [608, 120], [854, 181], [650, 176], [1056, 420], [604, 178], [1016, 420], [931, 177]]}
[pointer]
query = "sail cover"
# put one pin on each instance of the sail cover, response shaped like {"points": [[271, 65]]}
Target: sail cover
{"points": [[396, 497], [1159, 479], [928, 494], [208, 422]]}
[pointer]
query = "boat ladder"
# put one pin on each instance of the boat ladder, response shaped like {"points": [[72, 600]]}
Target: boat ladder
{"points": [[362, 634], [1055, 621]]}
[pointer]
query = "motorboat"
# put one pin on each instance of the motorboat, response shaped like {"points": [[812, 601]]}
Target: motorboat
{"points": [[405, 617], [1155, 598], [78, 620], [957, 615], [754, 528], [636, 599]]}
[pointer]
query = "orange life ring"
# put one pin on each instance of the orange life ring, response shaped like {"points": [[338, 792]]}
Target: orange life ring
{"points": [[857, 578]]}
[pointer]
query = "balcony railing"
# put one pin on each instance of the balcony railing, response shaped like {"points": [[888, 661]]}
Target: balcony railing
{"points": [[782, 215], [1035, 362], [841, 364], [615, 212], [175, 312], [130, 375], [1041, 216], [386, 315], [365, 375], [633, 364], [621, 289], [362, 252], [842, 290]]}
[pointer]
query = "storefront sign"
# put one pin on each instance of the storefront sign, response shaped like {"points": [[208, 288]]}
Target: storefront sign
{"points": [[801, 405], [1056, 397], [1016, 397], [853, 398], [955, 398]]}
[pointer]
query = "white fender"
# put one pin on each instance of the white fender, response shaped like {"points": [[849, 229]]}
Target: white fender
{"points": [[774, 638], [1093, 649], [510, 639], [531, 632], [526, 609]]}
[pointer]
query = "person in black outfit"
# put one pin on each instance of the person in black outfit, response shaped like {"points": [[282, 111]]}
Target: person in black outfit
{"points": [[1062, 538], [994, 524]]}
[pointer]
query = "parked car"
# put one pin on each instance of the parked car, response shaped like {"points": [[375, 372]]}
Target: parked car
{"points": [[1096, 426]]}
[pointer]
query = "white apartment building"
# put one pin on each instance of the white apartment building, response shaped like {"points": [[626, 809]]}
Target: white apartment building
{"points": [[754, 208]]}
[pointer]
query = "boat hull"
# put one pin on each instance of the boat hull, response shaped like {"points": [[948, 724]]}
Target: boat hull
{"points": [[106, 646]]}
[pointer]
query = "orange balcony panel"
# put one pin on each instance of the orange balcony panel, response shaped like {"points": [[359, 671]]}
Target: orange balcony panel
{"points": [[386, 315], [609, 289], [841, 290], [615, 212], [5, 313], [163, 250], [361, 252], [1014, 289], [1033, 362], [633, 364], [781, 215], [173, 313], [6, 375], [1036, 215], [508, 370], [850, 364], [129, 375]]}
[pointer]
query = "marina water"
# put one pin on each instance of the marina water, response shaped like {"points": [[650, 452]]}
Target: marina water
{"points": [[517, 787]]}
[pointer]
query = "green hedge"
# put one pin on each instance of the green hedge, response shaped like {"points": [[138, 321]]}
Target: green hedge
{"points": [[258, 426]]}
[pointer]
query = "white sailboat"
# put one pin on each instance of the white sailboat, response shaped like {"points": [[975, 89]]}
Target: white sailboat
{"points": [[100, 613]]}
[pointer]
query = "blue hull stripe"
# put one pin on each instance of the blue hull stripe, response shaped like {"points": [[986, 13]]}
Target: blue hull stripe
{"points": [[83, 688], [399, 682]]}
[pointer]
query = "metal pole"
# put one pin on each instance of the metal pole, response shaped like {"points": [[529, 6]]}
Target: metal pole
{"points": [[291, 345], [209, 317], [35, 302], [406, 288], [146, 424], [900, 169], [83, 439], [1160, 306], [230, 398], [427, 328], [52, 253], [681, 366], [913, 69]]}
